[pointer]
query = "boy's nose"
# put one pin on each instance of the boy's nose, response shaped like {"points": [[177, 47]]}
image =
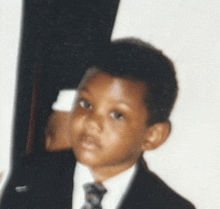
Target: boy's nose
{"points": [[94, 122]]}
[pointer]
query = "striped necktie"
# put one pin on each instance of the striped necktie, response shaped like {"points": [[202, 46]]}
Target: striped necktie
{"points": [[94, 194]]}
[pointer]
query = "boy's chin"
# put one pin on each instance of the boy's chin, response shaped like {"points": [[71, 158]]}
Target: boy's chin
{"points": [[88, 160]]}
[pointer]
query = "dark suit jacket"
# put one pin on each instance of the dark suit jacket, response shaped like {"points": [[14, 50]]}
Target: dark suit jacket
{"points": [[48, 184]]}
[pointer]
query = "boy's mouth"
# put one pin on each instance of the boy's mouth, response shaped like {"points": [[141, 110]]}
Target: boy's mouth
{"points": [[89, 143]]}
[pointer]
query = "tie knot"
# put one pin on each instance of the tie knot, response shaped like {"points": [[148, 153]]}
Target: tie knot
{"points": [[94, 193]]}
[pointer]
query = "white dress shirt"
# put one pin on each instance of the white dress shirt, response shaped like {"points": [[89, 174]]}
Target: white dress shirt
{"points": [[116, 187]]}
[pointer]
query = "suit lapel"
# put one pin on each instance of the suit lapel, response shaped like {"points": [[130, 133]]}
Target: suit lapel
{"points": [[137, 196]]}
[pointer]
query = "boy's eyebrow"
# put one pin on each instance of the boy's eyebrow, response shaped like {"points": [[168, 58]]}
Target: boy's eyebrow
{"points": [[126, 104], [84, 88]]}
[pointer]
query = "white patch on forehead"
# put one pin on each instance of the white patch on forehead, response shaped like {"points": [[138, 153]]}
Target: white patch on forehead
{"points": [[116, 87]]}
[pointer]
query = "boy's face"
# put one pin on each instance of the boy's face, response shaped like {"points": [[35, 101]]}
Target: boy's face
{"points": [[108, 122]]}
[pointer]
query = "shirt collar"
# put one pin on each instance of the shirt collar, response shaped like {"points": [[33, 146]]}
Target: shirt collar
{"points": [[116, 186]]}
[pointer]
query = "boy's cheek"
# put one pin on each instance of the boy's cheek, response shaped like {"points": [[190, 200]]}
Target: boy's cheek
{"points": [[76, 124]]}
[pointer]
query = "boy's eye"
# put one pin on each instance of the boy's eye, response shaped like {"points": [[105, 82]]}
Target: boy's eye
{"points": [[85, 104], [117, 115]]}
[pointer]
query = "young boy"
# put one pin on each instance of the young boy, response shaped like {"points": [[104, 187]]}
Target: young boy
{"points": [[122, 110]]}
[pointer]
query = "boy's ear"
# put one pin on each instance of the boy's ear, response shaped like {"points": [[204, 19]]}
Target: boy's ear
{"points": [[156, 135]]}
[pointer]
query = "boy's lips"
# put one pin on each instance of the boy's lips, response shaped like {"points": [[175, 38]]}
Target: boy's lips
{"points": [[89, 143]]}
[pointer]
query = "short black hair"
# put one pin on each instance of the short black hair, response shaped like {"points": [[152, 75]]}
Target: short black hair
{"points": [[134, 59]]}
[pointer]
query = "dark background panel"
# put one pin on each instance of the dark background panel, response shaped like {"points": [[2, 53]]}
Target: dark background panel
{"points": [[59, 41]]}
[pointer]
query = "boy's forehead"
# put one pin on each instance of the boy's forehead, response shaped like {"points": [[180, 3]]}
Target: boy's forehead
{"points": [[128, 88]]}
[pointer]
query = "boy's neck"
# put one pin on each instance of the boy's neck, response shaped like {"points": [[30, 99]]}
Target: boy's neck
{"points": [[102, 174]]}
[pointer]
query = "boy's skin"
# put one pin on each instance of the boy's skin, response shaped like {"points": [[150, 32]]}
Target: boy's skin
{"points": [[56, 138], [109, 128]]}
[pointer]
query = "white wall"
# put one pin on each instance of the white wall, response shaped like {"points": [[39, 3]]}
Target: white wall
{"points": [[10, 18], [189, 32]]}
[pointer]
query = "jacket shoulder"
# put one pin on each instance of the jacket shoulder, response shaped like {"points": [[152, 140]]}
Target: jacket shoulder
{"points": [[165, 197], [37, 181], [149, 191]]}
